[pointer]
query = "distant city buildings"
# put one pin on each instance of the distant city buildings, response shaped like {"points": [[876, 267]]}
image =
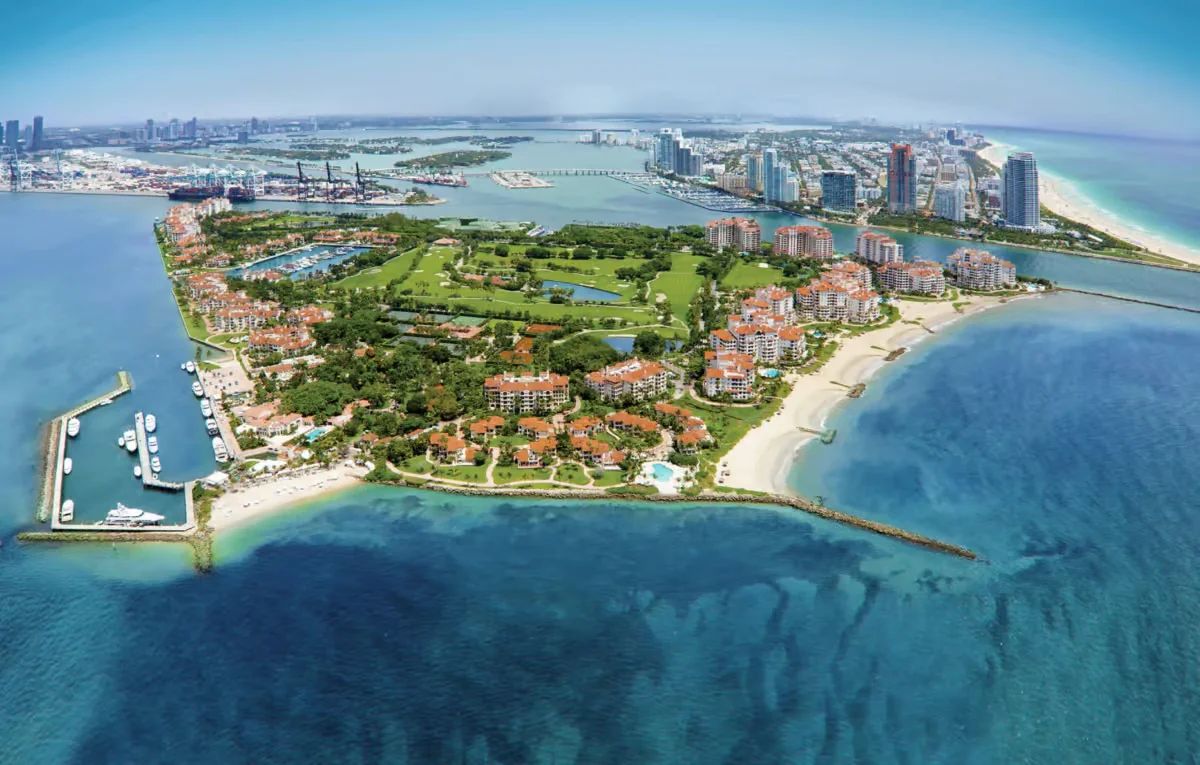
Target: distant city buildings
{"points": [[1020, 177], [878, 248], [950, 201], [779, 185], [839, 190], [902, 179], [734, 183], [12, 134], [980, 270], [742, 234], [804, 241], [754, 172], [38, 139], [673, 155]]}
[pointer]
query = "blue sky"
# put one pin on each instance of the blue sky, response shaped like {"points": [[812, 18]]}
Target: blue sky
{"points": [[1099, 66]]}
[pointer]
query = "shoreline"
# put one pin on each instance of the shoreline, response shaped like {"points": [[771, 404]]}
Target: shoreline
{"points": [[816, 396], [1061, 197], [277, 493]]}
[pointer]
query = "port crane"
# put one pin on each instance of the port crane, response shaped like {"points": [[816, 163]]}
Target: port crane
{"points": [[303, 190]]}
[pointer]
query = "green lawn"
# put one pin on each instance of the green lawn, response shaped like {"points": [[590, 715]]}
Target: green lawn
{"points": [[680, 284], [512, 474], [416, 464], [472, 473], [745, 275], [608, 477], [571, 473], [379, 276], [728, 424], [429, 277]]}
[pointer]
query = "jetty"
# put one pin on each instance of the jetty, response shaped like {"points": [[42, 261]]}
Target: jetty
{"points": [[1124, 299], [56, 447], [149, 478]]}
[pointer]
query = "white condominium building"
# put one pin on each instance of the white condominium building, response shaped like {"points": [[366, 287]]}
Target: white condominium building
{"points": [[879, 248], [980, 270], [921, 277]]}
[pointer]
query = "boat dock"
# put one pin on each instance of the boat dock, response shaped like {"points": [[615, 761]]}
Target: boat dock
{"points": [[149, 478], [56, 451]]}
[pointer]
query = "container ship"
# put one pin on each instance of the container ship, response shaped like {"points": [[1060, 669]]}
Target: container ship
{"points": [[192, 193], [439, 179], [239, 194]]}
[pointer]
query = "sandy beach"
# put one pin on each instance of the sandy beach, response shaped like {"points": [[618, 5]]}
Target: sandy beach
{"points": [[271, 493], [762, 460], [1062, 198]]}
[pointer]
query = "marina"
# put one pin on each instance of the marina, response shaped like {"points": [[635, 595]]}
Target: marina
{"points": [[301, 262]]}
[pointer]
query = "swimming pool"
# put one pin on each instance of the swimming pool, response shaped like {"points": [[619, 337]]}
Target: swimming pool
{"points": [[314, 434], [661, 472]]}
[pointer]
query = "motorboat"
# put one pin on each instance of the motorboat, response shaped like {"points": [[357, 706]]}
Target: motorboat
{"points": [[211, 425], [137, 471], [183, 366], [152, 444], [67, 465], [155, 463], [66, 513], [219, 450], [73, 427], [121, 441], [198, 389], [130, 516], [151, 423], [205, 408], [190, 367], [130, 441]]}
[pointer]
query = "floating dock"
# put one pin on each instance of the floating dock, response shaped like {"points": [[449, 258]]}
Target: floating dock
{"points": [[149, 478]]}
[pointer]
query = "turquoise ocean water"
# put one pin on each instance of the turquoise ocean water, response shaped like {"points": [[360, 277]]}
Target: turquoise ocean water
{"points": [[1057, 437]]}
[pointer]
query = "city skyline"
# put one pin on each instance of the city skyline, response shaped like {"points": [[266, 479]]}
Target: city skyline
{"points": [[476, 60]]}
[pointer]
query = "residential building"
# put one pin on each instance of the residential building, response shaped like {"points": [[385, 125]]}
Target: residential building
{"points": [[728, 373], [734, 183], [623, 420], [487, 427], [265, 420], [874, 247], [633, 379], [450, 448], [584, 426], [39, 138], [804, 241], [902, 179], [980, 270], [950, 201], [742, 234], [527, 392], [839, 190], [533, 427], [597, 453], [850, 273], [286, 340], [536, 453], [12, 134], [754, 172], [921, 277], [1021, 206]]}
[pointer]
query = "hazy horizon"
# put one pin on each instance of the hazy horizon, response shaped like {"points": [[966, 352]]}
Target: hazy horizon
{"points": [[1100, 67]]}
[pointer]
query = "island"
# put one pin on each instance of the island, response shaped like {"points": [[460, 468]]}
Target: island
{"points": [[450, 159]]}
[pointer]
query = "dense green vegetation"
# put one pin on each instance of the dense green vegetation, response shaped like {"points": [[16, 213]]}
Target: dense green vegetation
{"points": [[449, 159]]}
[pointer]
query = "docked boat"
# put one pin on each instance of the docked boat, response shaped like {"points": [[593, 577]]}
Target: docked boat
{"points": [[198, 389], [219, 450], [73, 427], [211, 425], [130, 441], [152, 444], [137, 471], [183, 366], [205, 408], [67, 466], [155, 463], [189, 367], [151, 423], [66, 513], [130, 516], [121, 441]]}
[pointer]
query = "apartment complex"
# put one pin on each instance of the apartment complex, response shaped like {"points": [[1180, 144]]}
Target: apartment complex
{"points": [[902, 179], [839, 190], [980, 270], [742, 234], [804, 241], [1021, 206], [633, 379], [526, 392], [921, 277], [728, 373], [874, 247]]}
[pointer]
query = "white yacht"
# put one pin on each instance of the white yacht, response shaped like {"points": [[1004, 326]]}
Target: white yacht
{"points": [[130, 441], [219, 450], [155, 463], [67, 513], [73, 427], [190, 367], [205, 408], [137, 471], [211, 425], [130, 516], [152, 444], [151, 423], [198, 389], [67, 465]]}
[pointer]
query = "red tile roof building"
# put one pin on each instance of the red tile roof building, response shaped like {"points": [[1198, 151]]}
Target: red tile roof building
{"points": [[597, 452], [285, 340], [878, 248], [729, 373], [487, 427], [980, 270], [742, 234], [804, 241], [534, 427], [452, 449], [530, 392], [922, 277], [634, 379], [629, 421]]}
